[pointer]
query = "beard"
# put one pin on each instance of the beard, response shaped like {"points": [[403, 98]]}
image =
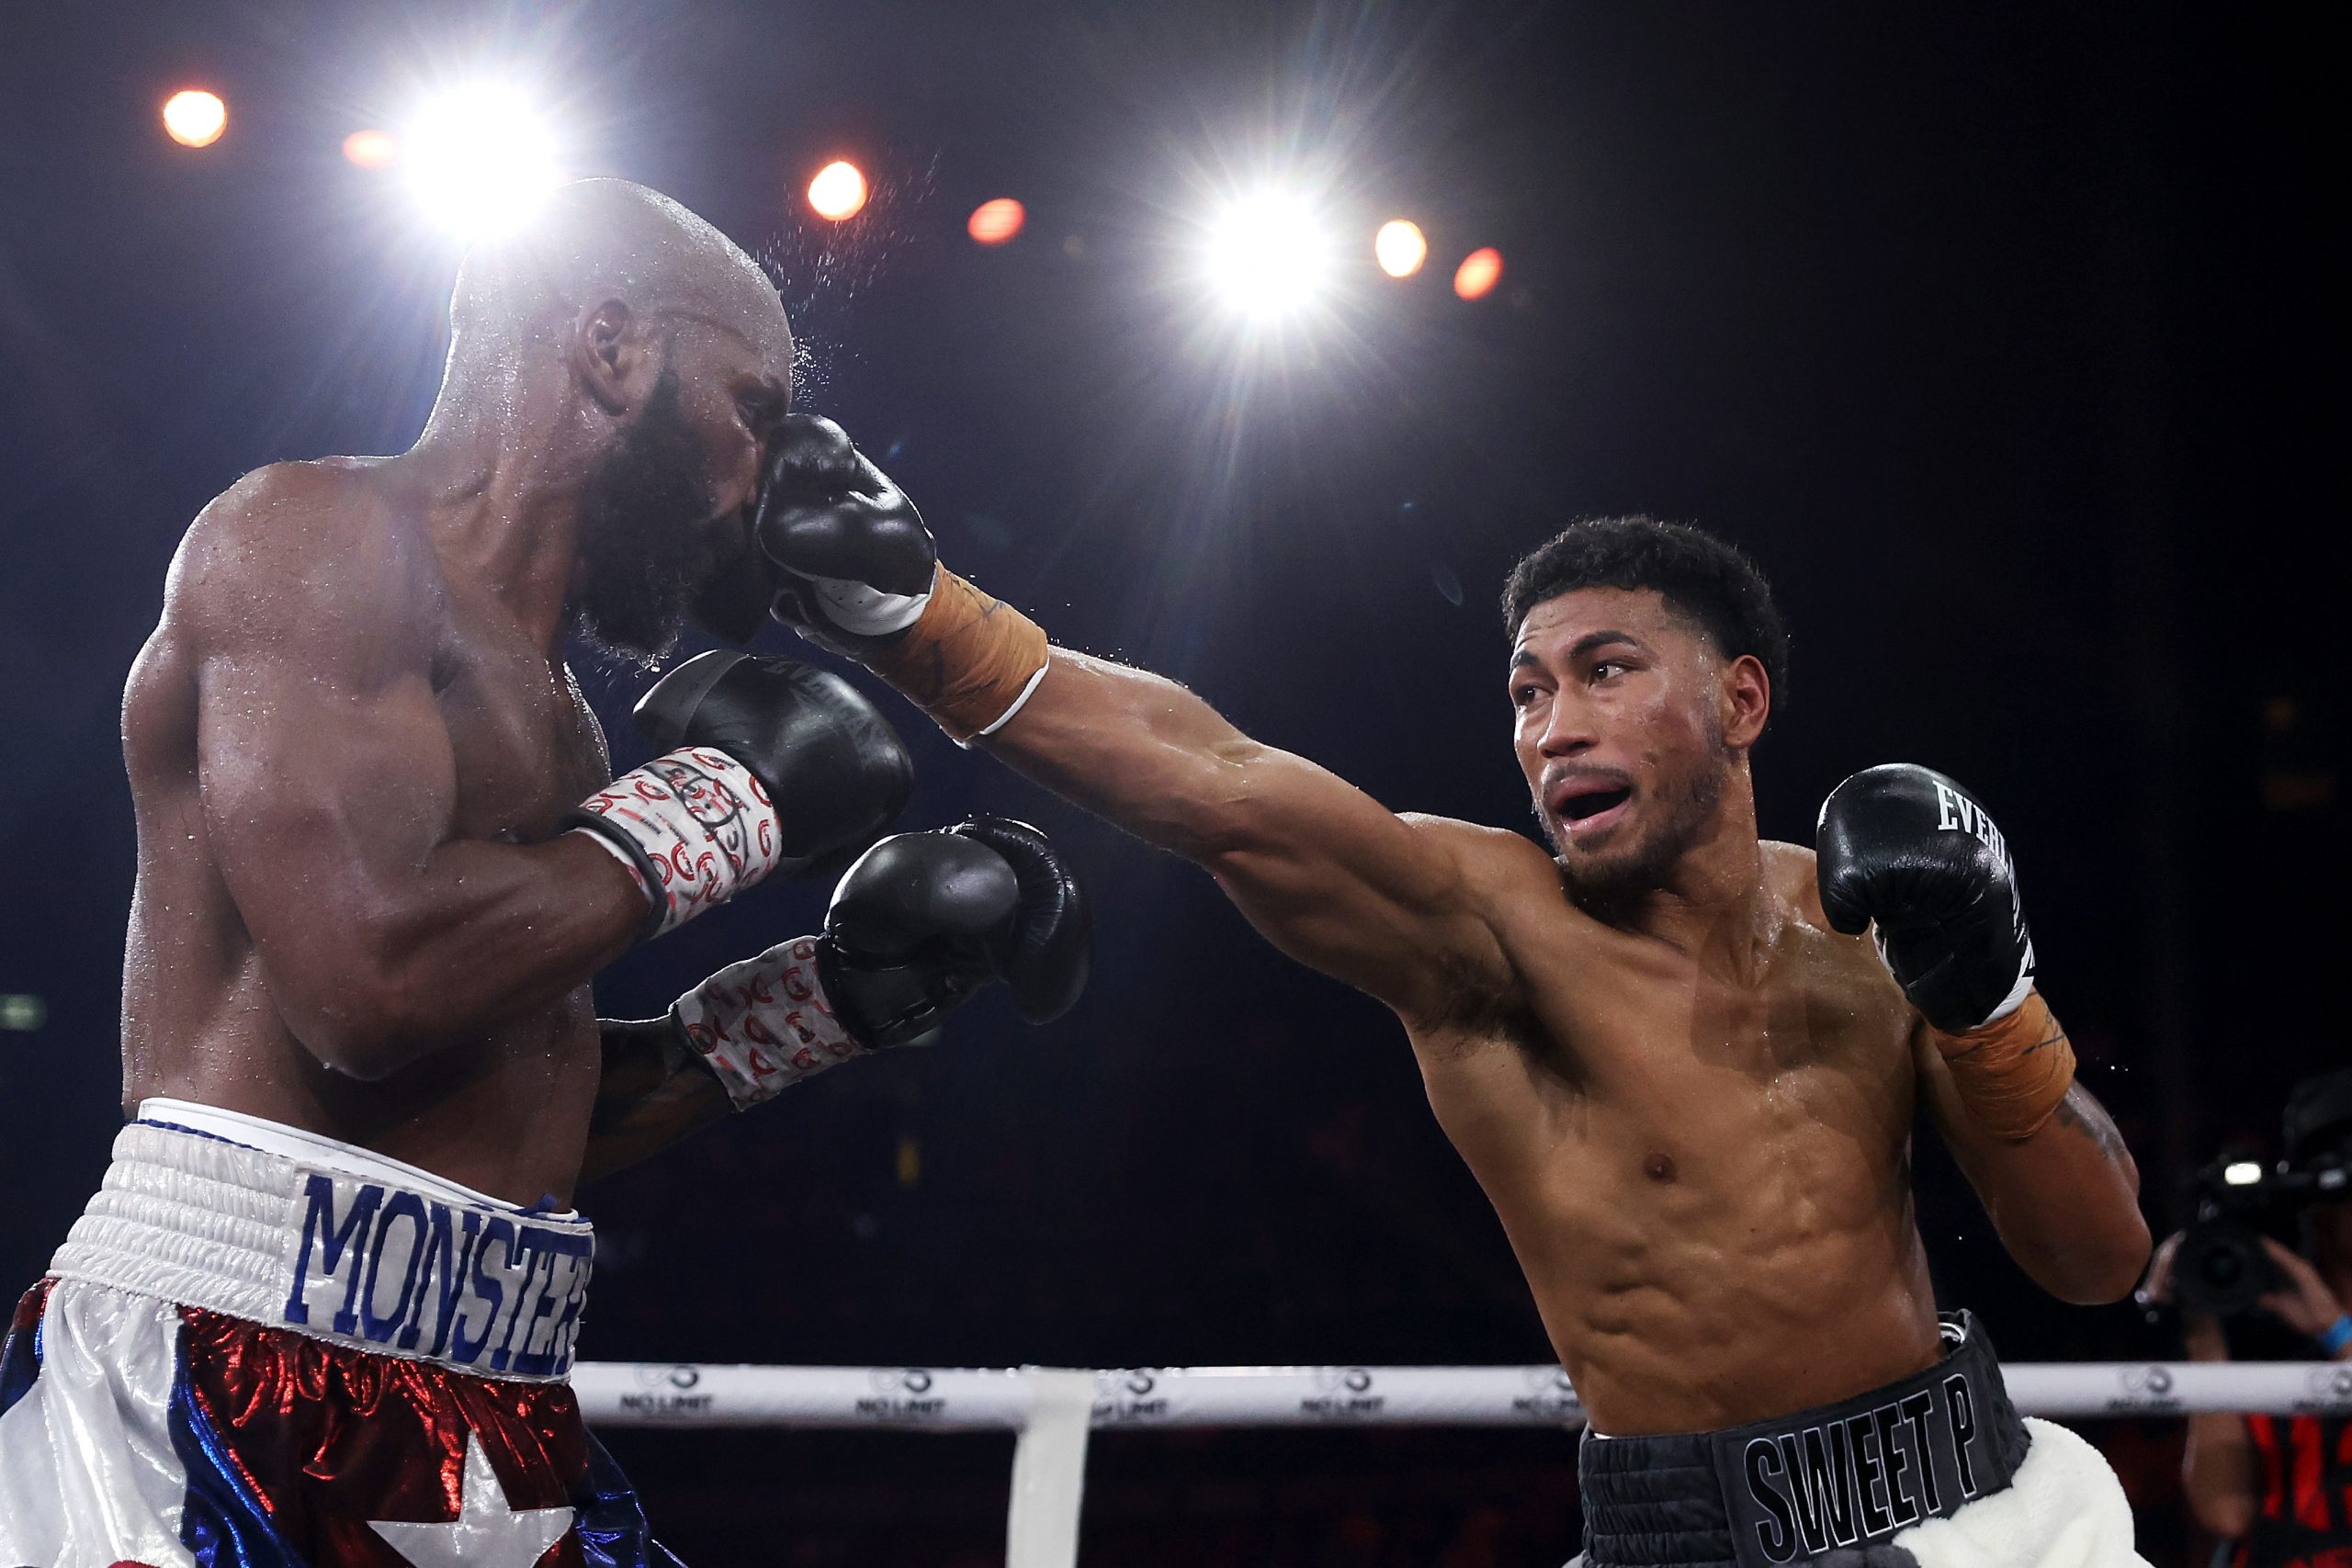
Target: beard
{"points": [[641, 564], [1606, 882]]}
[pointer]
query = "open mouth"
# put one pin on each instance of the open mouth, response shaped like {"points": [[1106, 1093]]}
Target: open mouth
{"points": [[1580, 807], [1584, 807]]}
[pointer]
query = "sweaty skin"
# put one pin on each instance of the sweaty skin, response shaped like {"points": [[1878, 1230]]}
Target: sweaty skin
{"points": [[352, 735], [1690, 1101]]}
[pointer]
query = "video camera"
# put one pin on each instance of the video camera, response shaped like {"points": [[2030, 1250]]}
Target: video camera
{"points": [[2221, 1268]]}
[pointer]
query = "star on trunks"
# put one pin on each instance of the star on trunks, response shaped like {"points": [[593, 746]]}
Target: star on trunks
{"points": [[487, 1532]]}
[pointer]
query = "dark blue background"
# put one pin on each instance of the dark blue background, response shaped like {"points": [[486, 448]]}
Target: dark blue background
{"points": [[2009, 339]]}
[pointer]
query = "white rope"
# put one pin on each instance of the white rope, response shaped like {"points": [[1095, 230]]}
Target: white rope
{"points": [[621, 1394], [1053, 1408]]}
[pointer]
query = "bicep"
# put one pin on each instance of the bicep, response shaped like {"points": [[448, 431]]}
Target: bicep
{"points": [[323, 767], [1338, 881], [1325, 872], [315, 792]]}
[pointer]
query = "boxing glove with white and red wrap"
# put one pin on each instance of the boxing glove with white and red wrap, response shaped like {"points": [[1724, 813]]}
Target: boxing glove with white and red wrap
{"points": [[774, 767], [919, 923]]}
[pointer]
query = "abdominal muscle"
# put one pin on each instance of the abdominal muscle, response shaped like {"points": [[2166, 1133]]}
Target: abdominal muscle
{"points": [[1712, 1255], [1694, 1337]]}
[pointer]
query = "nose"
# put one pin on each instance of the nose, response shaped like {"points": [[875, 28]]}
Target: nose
{"points": [[1568, 727]]}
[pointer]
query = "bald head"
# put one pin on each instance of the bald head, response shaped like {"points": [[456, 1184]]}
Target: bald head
{"points": [[519, 297]]}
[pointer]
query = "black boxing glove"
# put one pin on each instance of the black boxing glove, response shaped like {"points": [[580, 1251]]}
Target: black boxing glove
{"points": [[1905, 849], [862, 577], [918, 923], [856, 559], [774, 767], [923, 919]]}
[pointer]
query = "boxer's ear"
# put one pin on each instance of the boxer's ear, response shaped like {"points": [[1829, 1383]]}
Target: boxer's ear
{"points": [[612, 355], [1746, 698]]}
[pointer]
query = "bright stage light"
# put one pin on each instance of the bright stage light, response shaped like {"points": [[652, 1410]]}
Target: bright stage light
{"points": [[371, 149], [1399, 247], [1479, 272], [994, 223], [1268, 255], [194, 118], [479, 159], [838, 191]]}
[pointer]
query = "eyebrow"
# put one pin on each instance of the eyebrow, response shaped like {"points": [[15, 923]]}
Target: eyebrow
{"points": [[1581, 646], [1592, 640]]}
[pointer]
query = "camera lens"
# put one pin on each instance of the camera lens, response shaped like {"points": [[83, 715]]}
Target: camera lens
{"points": [[2221, 1268]]}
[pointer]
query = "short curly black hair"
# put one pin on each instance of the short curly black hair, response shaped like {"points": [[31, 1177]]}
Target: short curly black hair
{"points": [[1707, 582]]}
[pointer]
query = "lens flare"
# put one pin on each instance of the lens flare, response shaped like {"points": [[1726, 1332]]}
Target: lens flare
{"points": [[371, 149], [1399, 248], [838, 191], [1479, 272], [994, 223], [194, 118], [480, 159]]}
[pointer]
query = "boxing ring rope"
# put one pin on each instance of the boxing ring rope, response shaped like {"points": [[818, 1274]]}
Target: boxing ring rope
{"points": [[1054, 1409]]}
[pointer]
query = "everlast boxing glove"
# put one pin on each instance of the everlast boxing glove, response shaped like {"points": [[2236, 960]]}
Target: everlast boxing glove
{"points": [[862, 576], [1907, 850], [919, 923], [774, 767]]}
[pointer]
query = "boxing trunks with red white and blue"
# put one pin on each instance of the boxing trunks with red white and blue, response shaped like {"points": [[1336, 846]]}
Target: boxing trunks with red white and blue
{"points": [[261, 1349]]}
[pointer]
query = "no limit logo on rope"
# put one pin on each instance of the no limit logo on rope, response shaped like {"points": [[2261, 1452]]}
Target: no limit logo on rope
{"points": [[1132, 1397], [902, 1395], [668, 1392], [1348, 1395]]}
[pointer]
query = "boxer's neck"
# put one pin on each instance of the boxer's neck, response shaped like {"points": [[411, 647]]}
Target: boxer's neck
{"points": [[1713, 904], [502, 507]]}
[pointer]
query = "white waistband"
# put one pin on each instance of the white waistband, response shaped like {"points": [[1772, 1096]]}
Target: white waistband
{"points": [[317, 1150], [391, 1265]]}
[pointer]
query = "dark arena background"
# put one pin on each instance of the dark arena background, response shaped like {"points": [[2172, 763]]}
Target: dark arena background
{"points": [[2009, 339]]}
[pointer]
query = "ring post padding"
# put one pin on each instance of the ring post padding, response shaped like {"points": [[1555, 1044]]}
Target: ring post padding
{"points": [[1049, 1470]]}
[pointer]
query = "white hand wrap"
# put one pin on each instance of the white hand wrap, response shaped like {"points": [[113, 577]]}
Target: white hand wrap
{"points": [[694, 826], [764, 1024]]}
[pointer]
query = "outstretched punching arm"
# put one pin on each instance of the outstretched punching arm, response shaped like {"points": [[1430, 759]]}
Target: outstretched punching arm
{"points": [[1324, 870]]}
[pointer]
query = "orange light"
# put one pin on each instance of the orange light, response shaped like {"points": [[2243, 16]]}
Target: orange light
{"points": [[1479, 272], [994, 223], [838, 191], [1399, 247], [194, 118], [370, 149]]}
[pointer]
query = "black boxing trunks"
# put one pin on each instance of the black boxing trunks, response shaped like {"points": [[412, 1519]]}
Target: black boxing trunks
{"points": [[1934, 1470]]}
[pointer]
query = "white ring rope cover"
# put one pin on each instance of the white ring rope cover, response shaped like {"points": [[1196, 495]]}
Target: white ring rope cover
{"points": [[619, 1394], [1054, 1409]]}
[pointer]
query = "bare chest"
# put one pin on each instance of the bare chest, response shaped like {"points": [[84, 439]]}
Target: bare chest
{"points": [[525, 744], [1647, 1063]]}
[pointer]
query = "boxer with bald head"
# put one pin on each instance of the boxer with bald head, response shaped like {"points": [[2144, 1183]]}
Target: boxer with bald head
{"points": [[1683, 1073], [323, 1310]]}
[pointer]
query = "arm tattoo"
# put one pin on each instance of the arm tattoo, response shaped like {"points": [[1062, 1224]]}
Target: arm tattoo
{"points": [[2083, 1113]]}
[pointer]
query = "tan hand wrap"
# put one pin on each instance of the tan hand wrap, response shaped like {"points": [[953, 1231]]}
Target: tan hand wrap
{"points": [[968, 661], [2012, 1073]]}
